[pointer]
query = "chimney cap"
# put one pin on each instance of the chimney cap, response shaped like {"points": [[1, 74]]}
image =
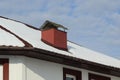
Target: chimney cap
{"points": [[48, 24]]}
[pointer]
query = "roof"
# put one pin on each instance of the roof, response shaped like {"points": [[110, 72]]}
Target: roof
{"points": [[17, 34]]}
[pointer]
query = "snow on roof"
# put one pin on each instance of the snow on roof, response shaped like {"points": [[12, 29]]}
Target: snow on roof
{"points": [[6, 38], [33, 36]]}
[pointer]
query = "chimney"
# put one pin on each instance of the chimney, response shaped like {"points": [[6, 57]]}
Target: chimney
{"points": [[52, 34]]}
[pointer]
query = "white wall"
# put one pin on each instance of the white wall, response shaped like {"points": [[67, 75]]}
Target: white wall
{"points": [[24, 68], [15, 67], [1, 72], [44, 70]]}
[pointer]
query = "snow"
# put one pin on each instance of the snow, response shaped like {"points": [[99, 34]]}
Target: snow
{"points": [[9, 39], [34, 37], [90, 55]]}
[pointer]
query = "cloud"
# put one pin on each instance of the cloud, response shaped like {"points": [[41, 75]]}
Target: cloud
{"points": [[93, 23], [98, 8]]}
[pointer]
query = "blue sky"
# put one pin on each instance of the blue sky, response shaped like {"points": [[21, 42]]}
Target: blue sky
{"points": [[94, 24]]}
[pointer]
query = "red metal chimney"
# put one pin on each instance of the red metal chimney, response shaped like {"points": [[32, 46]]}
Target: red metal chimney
{"points": [[52, 35]]}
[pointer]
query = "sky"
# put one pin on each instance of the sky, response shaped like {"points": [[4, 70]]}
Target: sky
{"points": [[94, 24]]}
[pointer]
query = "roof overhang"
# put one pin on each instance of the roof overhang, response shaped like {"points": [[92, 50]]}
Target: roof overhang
{"points": [[59, 58]]}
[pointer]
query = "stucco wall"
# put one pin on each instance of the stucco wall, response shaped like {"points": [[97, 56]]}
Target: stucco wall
{"points": [[24, 68]]}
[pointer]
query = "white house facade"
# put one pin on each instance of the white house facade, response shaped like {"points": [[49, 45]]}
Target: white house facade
{"points": [[25, 68], [28, 53]]}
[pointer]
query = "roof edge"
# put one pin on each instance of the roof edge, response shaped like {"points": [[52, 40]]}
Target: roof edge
{"points": [[59, 58], [21, 22]]}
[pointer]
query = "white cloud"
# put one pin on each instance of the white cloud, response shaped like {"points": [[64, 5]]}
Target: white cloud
{"points": [[97, 7], [93, 23]]}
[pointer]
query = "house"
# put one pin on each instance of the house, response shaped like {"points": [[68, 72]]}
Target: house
{"points": [[29, 53]]}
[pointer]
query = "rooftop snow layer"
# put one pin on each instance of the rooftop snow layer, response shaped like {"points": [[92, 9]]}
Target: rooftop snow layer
{"points": [[8, 39], [33, 36]]}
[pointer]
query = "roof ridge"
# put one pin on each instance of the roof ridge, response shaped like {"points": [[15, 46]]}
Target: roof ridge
{"points": [[30, 26], [75, 43], [25, 42]]}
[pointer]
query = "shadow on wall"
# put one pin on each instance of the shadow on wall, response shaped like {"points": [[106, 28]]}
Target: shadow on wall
{"points": [[43, 70]]}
